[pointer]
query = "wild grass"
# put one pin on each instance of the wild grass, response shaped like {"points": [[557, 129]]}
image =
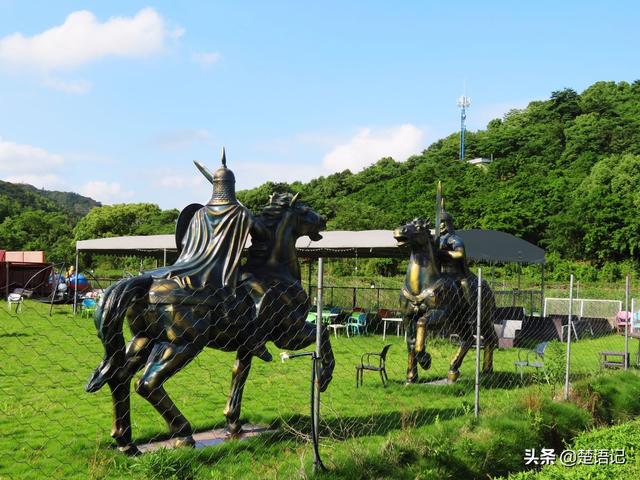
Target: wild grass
{"points": [[49, 427]]}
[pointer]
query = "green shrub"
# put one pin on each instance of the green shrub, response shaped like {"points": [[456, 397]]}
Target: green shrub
{"points": [[561, 422], [610, 398]]}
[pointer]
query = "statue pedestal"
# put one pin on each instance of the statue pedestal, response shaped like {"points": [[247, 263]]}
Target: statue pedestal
{"points": [[208, 438], [442, 381]]}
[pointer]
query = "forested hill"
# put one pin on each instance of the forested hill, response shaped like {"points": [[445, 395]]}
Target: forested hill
{"points": [[565, 175], [16, 197], [33, 219]]}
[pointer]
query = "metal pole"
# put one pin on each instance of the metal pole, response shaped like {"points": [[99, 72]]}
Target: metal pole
{"points": [[7, 264], [569, 329], [75, 290], [317, 462], [164, 257], [478, 316], [55, 287], [463, 116], [542, 289], [629, 319], [633, 309]]}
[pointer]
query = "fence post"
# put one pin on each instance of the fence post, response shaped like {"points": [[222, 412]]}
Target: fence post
{"points": [[478, 316], [75, 290], [569, 329], [542, 289], [355, 297], [628, 323]]}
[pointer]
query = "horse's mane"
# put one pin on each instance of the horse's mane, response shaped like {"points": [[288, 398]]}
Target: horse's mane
{"points": [[423, 226], [270, 217], [272, 213]]}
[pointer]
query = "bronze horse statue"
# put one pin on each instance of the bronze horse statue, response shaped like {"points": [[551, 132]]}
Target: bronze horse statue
{"points": [[269, 305], [434, 300]]}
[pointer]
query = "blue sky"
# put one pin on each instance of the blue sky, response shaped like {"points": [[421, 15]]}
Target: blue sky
{"points": [[115, 99]]}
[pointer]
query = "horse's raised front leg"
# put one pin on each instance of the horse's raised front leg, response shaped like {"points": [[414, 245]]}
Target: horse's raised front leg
{"points": [[490, 344], [327, 360], [412, 362], [305, 335], [239, 375], [456, 361]]}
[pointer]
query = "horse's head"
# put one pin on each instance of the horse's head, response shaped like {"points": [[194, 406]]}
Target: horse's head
{"points": [[414, 235], [286, 218], [295, 218]]}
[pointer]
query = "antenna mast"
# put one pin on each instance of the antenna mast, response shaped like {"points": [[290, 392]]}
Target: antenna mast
{"points": [[463, 102]]}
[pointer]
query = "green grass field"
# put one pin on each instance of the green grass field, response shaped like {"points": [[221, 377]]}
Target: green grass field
{"points": [[51, 428]]}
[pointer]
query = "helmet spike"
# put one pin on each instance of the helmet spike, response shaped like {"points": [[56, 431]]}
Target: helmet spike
{"points": [[224, 158]]}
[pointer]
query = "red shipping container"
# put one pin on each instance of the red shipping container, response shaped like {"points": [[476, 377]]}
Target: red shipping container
{"points": [[25, 257], [33, 257]]}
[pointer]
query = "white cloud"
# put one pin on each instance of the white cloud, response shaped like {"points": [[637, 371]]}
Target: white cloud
{"points": [[298, 143], [252, 174], [76, 87], [479, 117], [50, 181], [368, 146], [82, 38], [16, 158], [105, 192], [205, 59], [181, 139], [179, 181]]}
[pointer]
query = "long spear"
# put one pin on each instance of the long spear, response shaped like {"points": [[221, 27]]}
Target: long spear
{"points": [[438, 210]]}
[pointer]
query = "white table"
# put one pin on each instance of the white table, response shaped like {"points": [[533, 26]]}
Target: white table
{"points": [[393, 320], [335, 327]]}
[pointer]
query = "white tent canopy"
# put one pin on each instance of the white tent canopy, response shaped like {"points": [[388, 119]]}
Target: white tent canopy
{"points": [[482, 245]]}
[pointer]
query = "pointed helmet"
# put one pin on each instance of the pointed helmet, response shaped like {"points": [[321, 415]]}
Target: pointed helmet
{"points": [[223, 181]]}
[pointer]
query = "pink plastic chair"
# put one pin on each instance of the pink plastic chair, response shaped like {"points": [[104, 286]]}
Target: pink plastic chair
{"points": [[622, 321]]}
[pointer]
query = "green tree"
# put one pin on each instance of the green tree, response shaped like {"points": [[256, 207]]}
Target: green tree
{"points": [[125, 219]]}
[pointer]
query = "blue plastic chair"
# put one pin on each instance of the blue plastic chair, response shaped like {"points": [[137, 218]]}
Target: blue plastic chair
{"points": [[89, 306], [358, 321]]}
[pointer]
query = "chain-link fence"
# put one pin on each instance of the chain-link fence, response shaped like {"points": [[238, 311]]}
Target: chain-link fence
{"points": [[387, 363]]}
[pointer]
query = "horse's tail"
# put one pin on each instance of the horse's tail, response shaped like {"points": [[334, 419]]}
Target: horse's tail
{"points": [[108, 319]]}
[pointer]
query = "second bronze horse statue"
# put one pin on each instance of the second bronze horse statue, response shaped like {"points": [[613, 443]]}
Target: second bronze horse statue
{"points": [[436, 300], [173, 317]]}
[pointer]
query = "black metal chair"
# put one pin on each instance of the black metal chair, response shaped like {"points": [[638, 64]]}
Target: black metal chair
{"points": [[380, 367]]}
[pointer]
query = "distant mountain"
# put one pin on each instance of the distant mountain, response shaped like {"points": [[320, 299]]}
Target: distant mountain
{"points": [[15, 198]]}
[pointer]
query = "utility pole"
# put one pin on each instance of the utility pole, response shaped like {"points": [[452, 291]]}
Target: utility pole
{"points": [[464, 102]]}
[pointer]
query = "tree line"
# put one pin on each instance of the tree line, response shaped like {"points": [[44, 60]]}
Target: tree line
{"points": [[565, 176]]}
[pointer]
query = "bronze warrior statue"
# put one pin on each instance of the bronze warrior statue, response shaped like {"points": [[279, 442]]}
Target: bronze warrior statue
{"points": [[206, 299], [439, 292], [452, 254]]}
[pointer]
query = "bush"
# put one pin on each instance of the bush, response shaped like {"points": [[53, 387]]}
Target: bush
{"points": [[610, 398]]}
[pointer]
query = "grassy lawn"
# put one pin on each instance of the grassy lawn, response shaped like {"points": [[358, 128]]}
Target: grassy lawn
{"points": [[49, 427]]}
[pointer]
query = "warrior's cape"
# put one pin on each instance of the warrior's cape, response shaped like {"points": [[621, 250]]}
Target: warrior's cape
{"points": [[211, 248]]}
